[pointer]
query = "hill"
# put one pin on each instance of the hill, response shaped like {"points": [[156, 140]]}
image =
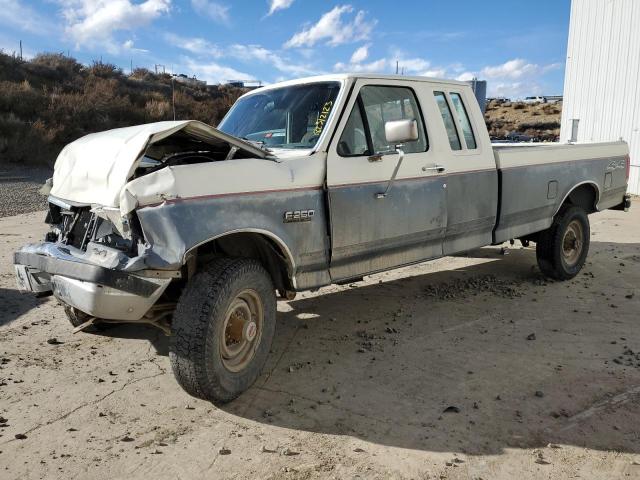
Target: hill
{"points": [[52, 100], [522, 121]]}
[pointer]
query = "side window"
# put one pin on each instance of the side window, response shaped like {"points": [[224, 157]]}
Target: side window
{"points": [[353, 142], [463, 118], [447, 118], [384, 104]]}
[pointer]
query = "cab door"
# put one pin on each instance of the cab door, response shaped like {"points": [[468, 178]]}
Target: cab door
{"points": [[371, 232], [472, 177]]}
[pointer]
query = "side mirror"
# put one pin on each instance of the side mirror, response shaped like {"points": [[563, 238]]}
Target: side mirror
{"points": [[401, 131]]}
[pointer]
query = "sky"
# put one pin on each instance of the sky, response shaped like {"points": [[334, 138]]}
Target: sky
{"points": [[518, 46]]}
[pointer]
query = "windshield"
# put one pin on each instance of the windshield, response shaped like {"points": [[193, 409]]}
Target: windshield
{"points": [[287, 117]]}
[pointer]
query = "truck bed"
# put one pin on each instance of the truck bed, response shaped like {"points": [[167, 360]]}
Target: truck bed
{"points": [[534, 180]]}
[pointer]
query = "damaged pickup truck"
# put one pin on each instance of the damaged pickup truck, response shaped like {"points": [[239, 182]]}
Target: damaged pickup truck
{"points": [[305, 183]]}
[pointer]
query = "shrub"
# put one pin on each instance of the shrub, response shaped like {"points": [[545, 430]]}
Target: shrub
{"points": [[539, 125], [52, 100]]}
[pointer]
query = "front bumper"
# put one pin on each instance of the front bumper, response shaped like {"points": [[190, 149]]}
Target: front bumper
{"points": [[94, 289]]}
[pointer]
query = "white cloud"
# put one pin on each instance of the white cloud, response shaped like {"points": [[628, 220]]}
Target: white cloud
{"points": [[195, 45], [360, 55], [466, 76], [407, 65], [275, 5], [333, 29], [213, 72], [516, 68], [244, 53], [94, 22], [129, 46], [23, 17], [435, 73], [214, 10], [377, 66], [515, 78]]}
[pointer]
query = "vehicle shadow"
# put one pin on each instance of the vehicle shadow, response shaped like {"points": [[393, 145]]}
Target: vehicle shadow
{"points": [[14, 304], [474, 360]]}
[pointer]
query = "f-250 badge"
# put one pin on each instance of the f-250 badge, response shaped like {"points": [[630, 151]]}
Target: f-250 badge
{"points": [[299, 216]]}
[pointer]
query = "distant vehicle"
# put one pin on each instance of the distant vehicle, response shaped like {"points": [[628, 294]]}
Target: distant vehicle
{"points": [[544, 99], [193, 229], [518, 137]]}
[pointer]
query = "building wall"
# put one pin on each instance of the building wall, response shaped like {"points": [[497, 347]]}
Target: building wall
{"points": [[602, 80]]}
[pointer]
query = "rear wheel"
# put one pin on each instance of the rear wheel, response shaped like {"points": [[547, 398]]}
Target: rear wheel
{"points": [[222, 329], [562, 249]]}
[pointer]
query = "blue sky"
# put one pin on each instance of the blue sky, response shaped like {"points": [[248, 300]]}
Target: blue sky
{"points": [[518, 46]]}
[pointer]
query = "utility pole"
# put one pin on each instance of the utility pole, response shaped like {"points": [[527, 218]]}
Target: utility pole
{"points": [[397, 65], [131, 67], [20, 50], [173, 97]]}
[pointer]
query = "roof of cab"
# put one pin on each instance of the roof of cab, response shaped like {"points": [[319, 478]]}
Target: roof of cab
{"points": [[343, 77]]}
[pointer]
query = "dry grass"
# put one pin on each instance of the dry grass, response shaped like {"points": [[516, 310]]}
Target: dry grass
{"points": [[537, 120], [52, 100]]}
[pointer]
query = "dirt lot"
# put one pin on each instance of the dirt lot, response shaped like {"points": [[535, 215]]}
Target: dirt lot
{"points": [[465, 368]]}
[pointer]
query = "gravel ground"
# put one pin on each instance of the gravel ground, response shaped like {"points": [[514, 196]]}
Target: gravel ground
{"points": [[19, 187], [465, 368]]}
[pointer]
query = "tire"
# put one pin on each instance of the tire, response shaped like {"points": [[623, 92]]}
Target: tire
{"points": [[77, 318], [212, 353], [562, 249]]}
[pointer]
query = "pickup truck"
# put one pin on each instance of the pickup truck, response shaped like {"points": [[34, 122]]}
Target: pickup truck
{"points": [[197, 230]]}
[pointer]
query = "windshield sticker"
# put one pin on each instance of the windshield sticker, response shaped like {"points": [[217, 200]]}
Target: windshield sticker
{"points": [[322, 118]]}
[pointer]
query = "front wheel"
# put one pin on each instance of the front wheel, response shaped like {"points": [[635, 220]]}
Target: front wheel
{"points": [[222, 329], [562, 249]]}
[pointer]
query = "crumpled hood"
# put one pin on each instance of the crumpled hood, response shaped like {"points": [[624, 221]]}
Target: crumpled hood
{"points": [[94, 168]]}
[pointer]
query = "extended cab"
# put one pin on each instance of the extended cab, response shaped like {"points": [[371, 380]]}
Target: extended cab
{"points": [[304, 183]]}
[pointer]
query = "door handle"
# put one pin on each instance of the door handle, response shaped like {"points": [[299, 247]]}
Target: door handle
{"points": [[435, 168]]}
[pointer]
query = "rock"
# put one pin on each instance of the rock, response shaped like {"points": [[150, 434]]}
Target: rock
{"points": [[539, 394], [531, 336], [451, 409], [3, 420], [224, 451], [54, 341], [630, 296], [290, 453], [20, 436], [268, 450], [358, 450], [126, 438]]}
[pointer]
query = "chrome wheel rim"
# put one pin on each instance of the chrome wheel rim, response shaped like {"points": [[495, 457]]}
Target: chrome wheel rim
{"points": [[572, 242], [242, 330]]}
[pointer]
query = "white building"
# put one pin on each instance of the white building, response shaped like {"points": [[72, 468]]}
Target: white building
{"points": [[602, 82]]}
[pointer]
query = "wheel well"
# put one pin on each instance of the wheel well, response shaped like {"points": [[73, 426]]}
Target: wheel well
{"points": [[585, 196], [258, 246]]}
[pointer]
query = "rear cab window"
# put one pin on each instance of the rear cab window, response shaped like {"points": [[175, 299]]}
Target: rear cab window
{"points": [[463, 119], [447, 118]]}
